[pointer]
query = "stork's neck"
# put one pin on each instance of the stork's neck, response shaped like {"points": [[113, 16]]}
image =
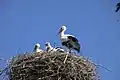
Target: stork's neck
{"points": [[36, 47], [50, 46], [62, 33]]}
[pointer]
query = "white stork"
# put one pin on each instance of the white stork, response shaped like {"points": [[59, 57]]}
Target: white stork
{"points": [[68, 40], [49, 48], [37, 48]]}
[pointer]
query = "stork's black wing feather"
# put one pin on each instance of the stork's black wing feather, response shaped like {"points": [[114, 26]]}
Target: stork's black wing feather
{"points": [[118, 4], [117, 7], [73, 38], [35, 48], [58, 47]]}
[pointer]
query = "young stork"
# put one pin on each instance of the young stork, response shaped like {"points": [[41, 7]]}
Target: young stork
{"points": [[37, 48], [68, 40], [49, 48]]}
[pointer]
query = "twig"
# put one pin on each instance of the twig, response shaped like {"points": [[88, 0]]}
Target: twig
{"points": [[59, 78], [6, 61], [2, 59], [4, 70], [100, 66], [103, 67], [66, 58]]}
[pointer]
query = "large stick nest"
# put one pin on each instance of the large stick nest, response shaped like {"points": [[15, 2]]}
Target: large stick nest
{"points": [[51, 66]]}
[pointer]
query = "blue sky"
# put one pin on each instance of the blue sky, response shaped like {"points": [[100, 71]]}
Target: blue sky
{"points": [[26, 22]]}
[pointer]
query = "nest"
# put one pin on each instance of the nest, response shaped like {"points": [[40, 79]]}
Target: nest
{"points": [[51, 66]]}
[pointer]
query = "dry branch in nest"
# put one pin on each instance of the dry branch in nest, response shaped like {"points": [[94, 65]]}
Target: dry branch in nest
{"points": [[51, 66]]}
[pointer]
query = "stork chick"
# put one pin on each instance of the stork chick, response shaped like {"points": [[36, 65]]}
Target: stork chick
{"points": [[49, 48], [37, 48]]}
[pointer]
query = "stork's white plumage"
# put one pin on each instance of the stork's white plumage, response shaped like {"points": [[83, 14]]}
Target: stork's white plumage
{"points": [[37, 48], [49, 48], [68, 40], [59, 49]]}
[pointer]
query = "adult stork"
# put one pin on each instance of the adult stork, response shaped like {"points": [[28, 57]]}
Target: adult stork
{"points": [[69, 41], [37, 48], [49, 48]]}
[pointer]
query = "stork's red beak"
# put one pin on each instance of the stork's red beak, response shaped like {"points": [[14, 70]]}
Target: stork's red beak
{"points": [[59, 31]]}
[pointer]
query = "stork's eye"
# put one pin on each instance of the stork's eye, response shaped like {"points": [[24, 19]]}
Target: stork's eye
{"points": [[46, 44], [62, 28]]}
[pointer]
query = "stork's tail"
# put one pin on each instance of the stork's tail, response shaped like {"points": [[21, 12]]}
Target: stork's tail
{"points": [[78, 50]]}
